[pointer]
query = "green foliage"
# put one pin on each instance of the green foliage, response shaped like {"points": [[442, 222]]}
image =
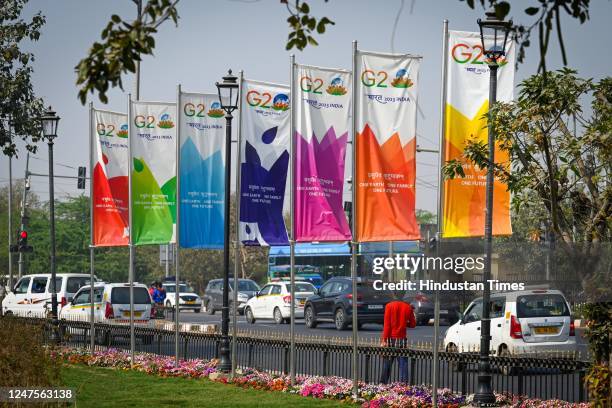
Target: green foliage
{"points": [[547, 13], [598, 383], [303, 25], [24, 360], [425, 217], [123, 45], [599, 329], [19, 106]]}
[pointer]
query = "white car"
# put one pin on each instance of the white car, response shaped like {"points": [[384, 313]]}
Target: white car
{"points": [[111, 306], [31, 295], [188, 299], [522, 322], [273, 301]]}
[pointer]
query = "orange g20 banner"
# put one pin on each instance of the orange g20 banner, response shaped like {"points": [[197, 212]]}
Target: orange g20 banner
{"points": [[467, 92], [386, 109]]}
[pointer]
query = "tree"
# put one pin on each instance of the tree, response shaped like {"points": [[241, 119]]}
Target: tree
{"points": [[19, 106], [425, 217], [547, 12], [125, 43], [560, 160]]}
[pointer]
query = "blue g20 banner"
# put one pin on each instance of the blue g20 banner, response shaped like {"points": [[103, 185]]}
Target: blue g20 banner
{"points": [[202, 171], [264, 152]]}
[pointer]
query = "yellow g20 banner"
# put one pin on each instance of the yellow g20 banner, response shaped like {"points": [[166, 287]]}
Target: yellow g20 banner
{"points": [[467, 92]]}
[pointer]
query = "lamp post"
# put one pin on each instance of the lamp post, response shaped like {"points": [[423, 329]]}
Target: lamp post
{"points": [[228, 98], [49, 123], [493, 36]]}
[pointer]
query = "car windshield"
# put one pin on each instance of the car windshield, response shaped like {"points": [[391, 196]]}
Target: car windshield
{"points": [[302, 287], [121, 295], [183, 288], [545, 305], [246, 286]]}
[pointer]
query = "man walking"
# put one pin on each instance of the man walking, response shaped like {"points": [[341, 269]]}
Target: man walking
{"points": [[398, 316]]}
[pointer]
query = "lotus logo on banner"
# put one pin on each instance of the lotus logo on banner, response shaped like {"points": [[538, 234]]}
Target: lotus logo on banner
{"points": [[264, 152], [321, 133]]}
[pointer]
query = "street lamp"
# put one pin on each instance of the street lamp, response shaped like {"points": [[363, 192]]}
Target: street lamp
{"points": [[493, 36], [228, 98], [49, 122]]}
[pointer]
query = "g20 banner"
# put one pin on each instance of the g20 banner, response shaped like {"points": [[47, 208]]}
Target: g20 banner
{"points": [[110, 163], [386, 110], [264, 152], [153, 159], [467, 91], [202, 171], [322, 104]]}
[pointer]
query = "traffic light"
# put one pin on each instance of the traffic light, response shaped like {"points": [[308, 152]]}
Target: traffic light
{"points": [[82, 177], [22, 242]]}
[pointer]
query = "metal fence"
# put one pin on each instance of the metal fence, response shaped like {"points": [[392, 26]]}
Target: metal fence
{"points": [[549, 376]]}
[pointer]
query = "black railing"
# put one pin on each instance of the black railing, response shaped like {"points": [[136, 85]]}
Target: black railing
{"points": [[549, 376]]}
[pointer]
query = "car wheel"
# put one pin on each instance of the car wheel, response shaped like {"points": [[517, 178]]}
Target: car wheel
{"points": [[240, 312], [340, 319], [197, 310], [278, 316], [210, 308], [309, 318], [249, 316], [452, 363]]}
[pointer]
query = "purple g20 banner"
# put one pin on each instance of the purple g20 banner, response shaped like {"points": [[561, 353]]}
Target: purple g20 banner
{"points": [[321, 130], [264, 152]]}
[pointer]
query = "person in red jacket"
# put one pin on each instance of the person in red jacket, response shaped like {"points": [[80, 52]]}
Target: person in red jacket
{"points": [[398, 316]]}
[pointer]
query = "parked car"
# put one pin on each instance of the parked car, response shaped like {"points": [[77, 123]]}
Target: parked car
{"points": [[111, 305], [273, 301], [31, 295], [521, 322], [422, 303], [333, 303], [213, 296], [188, 299]]}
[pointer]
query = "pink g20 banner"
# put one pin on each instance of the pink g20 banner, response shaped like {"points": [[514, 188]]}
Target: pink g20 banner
{"points": [[322, 107]]}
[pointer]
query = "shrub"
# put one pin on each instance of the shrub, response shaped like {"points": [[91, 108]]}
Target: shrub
{"points": [[24, 360]]}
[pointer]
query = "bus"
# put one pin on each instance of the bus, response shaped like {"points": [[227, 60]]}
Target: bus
{"points": [[334, 259], [308, 273]]}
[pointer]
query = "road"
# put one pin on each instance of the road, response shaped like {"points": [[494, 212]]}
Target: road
{"points": [[422, 334]]}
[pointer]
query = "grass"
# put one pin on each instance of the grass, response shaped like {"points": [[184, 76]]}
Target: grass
{"points": [[105, 387]]}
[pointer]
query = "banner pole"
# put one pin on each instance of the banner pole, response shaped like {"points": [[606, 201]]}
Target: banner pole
{"points": [[292, 95], [178, 229], [131, 245], [92, 326], [354, 227], [237, 237], [436, 338]]}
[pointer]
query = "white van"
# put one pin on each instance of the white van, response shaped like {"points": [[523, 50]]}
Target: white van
{"points": [[522, 322], [31, 295], [111, 304]]}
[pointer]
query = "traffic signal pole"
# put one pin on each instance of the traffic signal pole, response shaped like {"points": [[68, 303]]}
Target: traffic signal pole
{"points": [[26, 187]]}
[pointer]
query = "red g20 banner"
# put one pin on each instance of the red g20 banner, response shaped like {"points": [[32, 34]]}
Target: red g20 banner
{"points": [[109, 175]]}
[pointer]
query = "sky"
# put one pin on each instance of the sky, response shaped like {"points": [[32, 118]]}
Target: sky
{"points": [[214, 35]]}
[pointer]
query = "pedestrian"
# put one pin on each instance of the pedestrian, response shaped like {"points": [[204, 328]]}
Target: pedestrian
{"points": [[162, 292], [398, 316], [152, 289]]}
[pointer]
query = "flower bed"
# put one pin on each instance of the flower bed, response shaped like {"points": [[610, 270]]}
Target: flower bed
{"points": [[397, 395]]}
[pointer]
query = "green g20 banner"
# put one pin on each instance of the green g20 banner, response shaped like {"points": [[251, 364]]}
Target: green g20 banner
{"points": [[153, 159]]}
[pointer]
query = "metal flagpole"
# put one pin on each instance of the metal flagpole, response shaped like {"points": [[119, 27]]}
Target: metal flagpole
{"points": [[92, 328], [435, 368], [131, 244], [10, 220], [354, 226], [292, 184], [237, 238], [177, 206]]}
